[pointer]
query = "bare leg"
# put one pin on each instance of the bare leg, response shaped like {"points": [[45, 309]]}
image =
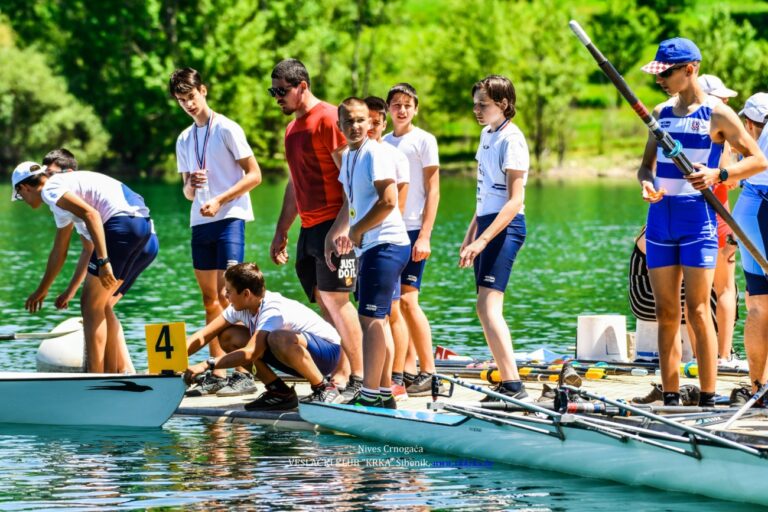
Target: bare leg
{"points": [[399, 337], [290, 348], [410, 360], [665, 283], [374, 350], [490, 311], [93, 304], [234, 338], [755, 336], [123, 361], [725, 289], [344, 317], [418, 327], [698, 286], [386, 374], [211, 283]]}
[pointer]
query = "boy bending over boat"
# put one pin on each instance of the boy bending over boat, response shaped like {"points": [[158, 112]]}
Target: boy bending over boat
{"points": [[265, 330], [497, 230], [370, 224], [115, 219]]}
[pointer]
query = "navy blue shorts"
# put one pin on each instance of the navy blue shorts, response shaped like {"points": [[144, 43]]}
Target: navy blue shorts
{"points": [[125, 238], [682, 230], [751, 213], [218, 245], [494, 265], [324, 353], [380, 267], [145, 258], [413, 269]]}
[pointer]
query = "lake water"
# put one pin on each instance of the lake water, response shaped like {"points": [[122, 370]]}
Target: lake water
{"points": [[574, 262]]}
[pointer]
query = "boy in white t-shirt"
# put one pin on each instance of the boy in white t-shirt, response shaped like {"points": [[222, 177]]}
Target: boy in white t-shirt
{"points": [[266, 330], [420, 147], [218, 171], [370, 224]]}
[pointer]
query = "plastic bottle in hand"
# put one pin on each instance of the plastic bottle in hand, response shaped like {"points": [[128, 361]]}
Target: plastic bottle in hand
{"points": [[203, 192]]}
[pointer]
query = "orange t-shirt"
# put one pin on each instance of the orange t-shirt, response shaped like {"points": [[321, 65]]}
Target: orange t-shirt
{"points": [[309, 142]]}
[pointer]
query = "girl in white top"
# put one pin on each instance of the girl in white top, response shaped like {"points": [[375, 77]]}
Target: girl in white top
{"points": [[116, 220], [370, 223], [497, 230]]}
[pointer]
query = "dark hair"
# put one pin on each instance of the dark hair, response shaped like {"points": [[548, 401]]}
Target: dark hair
{"points": [[184, 80], [498, 88], [61, 157], [403, 88], [377, 104], [292, 71], [348, 102], [246, 276]]}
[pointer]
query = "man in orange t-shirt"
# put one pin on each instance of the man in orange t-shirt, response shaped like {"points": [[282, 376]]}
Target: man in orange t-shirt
{"points": [[314, 193]]}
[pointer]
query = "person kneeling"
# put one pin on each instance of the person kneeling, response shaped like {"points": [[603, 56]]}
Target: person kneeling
{"points": [[265, 330]]}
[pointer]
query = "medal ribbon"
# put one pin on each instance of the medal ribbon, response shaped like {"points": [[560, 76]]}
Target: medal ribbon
{"points": [[201, 158], [351, 172]]}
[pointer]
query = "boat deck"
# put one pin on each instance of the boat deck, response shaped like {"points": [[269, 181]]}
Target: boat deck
{"points": [[625, 387]]}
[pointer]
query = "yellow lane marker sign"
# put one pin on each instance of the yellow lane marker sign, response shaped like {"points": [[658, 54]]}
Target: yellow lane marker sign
{"points": [[166, 347]]}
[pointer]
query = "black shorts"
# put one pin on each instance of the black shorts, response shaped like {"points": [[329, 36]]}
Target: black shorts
{"points": [[311, 267]]}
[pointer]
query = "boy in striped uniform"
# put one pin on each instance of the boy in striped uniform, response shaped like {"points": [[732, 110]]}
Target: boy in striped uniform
{"points": [[682, 228]]}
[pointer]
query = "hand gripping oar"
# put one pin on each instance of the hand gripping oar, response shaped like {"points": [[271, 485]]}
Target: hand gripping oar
{"points": [[33, 335], [744, 408], [672, 148]]}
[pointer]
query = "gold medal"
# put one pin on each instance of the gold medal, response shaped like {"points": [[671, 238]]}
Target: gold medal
{"points": [[352, 212]]}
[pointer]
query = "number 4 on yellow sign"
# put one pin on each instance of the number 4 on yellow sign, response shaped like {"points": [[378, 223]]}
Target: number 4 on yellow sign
{"points": [[166, 347]]}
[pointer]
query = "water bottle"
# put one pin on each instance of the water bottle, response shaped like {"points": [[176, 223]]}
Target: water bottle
{"points": [[203, 192]]}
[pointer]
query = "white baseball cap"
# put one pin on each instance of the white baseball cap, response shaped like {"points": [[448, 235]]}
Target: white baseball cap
{"points": [[23, 171], [756, 107], [714, 86]]}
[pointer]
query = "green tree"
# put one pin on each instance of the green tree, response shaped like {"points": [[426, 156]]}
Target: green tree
{"points": [[37, 113]]}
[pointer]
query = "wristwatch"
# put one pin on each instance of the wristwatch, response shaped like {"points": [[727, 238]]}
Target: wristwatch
{"points": [[100, 262], [723, 174], [211, 363]]}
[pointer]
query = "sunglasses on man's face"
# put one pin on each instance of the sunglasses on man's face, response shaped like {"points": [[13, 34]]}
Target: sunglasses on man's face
{"points": [[279, 91], [668, 72]]}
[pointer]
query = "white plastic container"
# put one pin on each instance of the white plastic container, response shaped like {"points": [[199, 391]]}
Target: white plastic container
{"points": [[647, 344], [602, 337]]}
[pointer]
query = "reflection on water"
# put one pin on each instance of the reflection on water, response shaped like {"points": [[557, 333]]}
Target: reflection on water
{"points": [[194, 463]]}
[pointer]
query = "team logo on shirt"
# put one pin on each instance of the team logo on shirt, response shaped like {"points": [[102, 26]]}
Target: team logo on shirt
{"points": [[665, 123], [695, 125]]}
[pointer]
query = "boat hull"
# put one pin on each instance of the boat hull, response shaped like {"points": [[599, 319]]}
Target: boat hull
{"points": [[88, 399], [720, 472]]}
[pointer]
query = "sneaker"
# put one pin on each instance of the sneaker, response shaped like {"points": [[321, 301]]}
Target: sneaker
{"points": [[422, 386], [354, 385], [689, 395], [359, 400], [389, 403], [569, 376], [518, 395], [741, 395], [547, 393], [408, 378], [328, 394], [274, 401], [207, 384], [655, 395], [399, 392], [239, 384]]}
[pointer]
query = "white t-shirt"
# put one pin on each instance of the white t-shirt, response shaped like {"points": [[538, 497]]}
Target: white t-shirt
{"points": [[761, 178], [498, 151], [420, 147], [402, 167], [226, 145], [108, 196], [360, 168], [280, 313]]}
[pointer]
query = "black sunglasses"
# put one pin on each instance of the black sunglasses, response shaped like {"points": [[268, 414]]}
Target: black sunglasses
{"points": [[668, 72], [279, 91]]}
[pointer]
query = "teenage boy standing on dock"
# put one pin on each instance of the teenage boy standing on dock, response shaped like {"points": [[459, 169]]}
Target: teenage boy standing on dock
{"points": [[681, 239], [420, 147], [370, 223], [218, 170], [314, 194]]}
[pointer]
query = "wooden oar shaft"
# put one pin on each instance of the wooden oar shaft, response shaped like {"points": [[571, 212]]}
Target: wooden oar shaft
{"points": [[667, 143], [33, 335]]}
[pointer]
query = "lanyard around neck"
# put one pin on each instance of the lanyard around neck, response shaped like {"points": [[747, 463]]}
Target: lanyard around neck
{"points": [[201, 157], [351, 172]]}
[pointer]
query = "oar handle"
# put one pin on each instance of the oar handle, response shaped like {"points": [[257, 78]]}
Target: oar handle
{"points": [[665, 141]]}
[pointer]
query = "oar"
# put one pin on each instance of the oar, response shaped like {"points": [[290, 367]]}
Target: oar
{"points": [[34, 335], [672, 148], [744, 408]]}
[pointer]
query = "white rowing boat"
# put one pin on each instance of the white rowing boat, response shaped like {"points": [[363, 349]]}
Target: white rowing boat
{"points": [[89, 399], [652, 454]]}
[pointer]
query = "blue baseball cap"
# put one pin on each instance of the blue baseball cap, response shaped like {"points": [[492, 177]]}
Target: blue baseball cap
{"points": [[673, 51]]}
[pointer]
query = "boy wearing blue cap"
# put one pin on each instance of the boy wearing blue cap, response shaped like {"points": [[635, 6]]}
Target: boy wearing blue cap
{"points": [[682, 227]]}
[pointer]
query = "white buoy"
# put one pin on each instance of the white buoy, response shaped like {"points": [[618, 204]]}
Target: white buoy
{"points": [[602, 337], [65, 353]]}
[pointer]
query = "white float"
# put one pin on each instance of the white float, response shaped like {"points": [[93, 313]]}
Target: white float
{"points": [[65, 353], [602, 337], [647, 343]]}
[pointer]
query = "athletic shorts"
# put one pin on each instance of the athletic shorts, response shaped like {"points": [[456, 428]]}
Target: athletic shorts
{"points": [[145, 258], [380, 270], [494, 265], [324, 353], [218, 245], [125, 238], [312, 269], [413, 271], [751, 213], [682, 230]]}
